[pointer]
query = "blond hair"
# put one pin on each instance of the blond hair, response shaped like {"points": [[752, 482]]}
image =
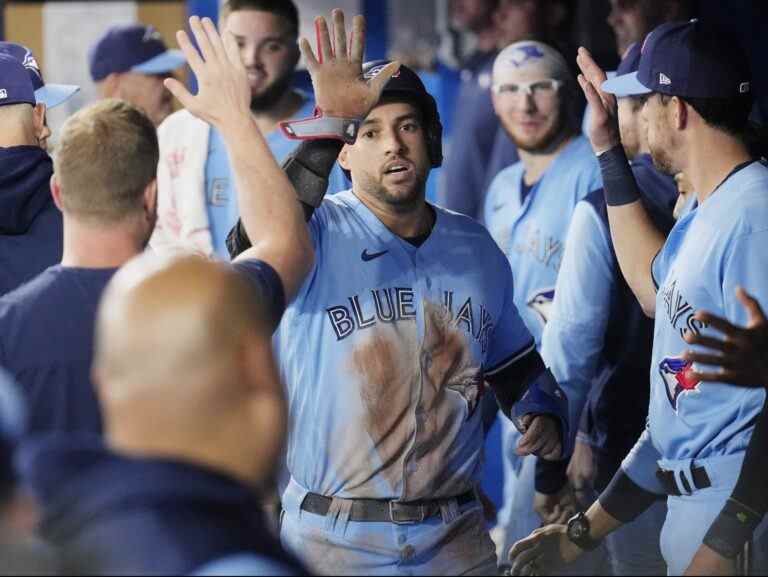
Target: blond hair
{"points": [[106, 157]]}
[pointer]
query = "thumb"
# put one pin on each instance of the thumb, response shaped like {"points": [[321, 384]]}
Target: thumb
{"points": [[179, 91], [380, 80], [756, 315]]}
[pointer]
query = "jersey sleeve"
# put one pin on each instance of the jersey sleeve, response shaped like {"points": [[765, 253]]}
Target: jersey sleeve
{"points": [[573, 337], [642, 463], [267, 284], [511, 340], [746, 263]]}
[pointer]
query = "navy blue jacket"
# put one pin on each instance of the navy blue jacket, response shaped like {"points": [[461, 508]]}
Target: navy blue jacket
{"points": [[115, 515], [30, 224]]}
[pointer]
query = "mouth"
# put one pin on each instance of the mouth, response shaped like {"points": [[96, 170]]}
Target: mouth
{"points": [[398, 168]]}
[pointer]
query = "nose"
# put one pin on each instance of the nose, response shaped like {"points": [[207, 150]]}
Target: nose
{"points": [[394, 143], [250, 56], [528, 103]]}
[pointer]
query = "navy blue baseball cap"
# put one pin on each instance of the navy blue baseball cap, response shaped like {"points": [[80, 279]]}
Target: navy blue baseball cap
{"points": [[631, 61], [15, 84], [686, 59], [49, 94], [133, 48]]}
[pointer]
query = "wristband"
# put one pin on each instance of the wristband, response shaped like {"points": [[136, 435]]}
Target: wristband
{"points": [[322, 127], [732, 529], [619, 183]]}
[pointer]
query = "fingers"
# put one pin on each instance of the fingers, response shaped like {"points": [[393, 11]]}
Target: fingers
{"points": [[179, 91], [357, 44], [380, 80], [201, 38], [721, 345], [324, 49], [589, 67], [339, 34], [232, 51], [710, 360], [756, 315], [738, 378], [309, 55], [553, 450], [190, 52], [720, 324], [593, 98], [215, 40], [524, 561], [533, 440]]}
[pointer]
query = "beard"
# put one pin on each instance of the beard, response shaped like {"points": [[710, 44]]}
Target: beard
{"points": [[272, 93], [662, 160], [403, 202], [543, 143]]}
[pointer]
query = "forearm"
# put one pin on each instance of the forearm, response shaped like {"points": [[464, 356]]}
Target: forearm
{"points": [[601, 522], [636, 239], [272, 218], [748, 504]]}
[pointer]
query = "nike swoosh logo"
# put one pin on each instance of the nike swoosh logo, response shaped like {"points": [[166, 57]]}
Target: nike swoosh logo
{"points": [[367, 257]]}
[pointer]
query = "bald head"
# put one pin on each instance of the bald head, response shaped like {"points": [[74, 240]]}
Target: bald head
{"points": [[184, 366]]}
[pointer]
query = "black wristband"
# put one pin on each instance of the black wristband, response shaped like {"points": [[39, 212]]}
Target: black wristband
{"points": [[308, 169], [624, 500], [619, 183], [732, 529], [551, 476]]}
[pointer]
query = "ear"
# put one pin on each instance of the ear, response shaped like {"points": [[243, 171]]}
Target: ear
{"points": [[110, 86], [56, 192], [150, 198], [495, 100], [42, 132], [344, 158], [680, 113]]}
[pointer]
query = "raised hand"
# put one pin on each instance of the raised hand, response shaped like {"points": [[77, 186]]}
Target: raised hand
{"points": [[558, 508], [541, 438], [603, 127], [546, 551], [224, 96], [336, 69], [742, 352]]}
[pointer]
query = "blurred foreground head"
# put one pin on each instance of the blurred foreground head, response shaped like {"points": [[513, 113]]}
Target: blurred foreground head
{"points": [[184, 368]]}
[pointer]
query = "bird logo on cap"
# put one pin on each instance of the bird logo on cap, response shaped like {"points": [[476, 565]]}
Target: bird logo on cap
{"points": [[30, 63], [524, 54], [376, 70], [151, 33]]}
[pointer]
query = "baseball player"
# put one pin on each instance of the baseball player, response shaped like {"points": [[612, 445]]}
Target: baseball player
{"points": [[528, 210], [407, 310], [598, 344], [197, 202], [698, 101]]}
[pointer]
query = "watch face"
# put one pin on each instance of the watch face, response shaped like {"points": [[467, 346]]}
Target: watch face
{"points": [[577, 529]]}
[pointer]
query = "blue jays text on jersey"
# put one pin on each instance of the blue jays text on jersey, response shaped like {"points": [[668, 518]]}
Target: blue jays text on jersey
{"points": [[396, 304]]}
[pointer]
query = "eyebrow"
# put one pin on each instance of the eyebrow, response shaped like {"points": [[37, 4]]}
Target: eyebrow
{"points": [[398, 120]]}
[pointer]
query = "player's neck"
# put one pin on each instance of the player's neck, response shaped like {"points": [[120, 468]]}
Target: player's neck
{"points": [[711, 157], [537, 163], [97, 247], [409, 223], [284, 109]]}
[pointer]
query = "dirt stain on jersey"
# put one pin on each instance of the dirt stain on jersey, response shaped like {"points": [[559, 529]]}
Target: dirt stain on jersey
{"points": [[416, 397]]}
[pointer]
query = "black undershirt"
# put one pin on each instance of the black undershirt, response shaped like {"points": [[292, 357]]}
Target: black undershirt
{"points": [[417, 241]]}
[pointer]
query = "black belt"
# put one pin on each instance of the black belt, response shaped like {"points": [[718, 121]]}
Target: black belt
{"points": [[700, 480], [378, 511]]}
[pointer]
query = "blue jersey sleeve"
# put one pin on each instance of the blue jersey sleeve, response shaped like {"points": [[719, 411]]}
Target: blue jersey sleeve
{"points": [[642, 463], [511, 339], [573, 337], [267, 284]]}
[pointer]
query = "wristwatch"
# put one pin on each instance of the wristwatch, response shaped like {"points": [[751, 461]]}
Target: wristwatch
{"points": [[579, 528]]}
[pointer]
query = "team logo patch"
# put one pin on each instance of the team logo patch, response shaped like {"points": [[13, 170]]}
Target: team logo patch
{"points": [[664, 80], [3, 94], [525, 53], [541, 303], [30, 63], [152, 34], [676, 373]]}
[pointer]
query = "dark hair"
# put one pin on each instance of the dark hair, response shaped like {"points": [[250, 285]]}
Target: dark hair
{"points": [[286, 9], [730, 115]]}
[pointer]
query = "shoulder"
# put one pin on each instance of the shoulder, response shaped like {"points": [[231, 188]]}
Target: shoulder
{"points": [[31, 296], [182, 122], [469, 233], [741, 205]]}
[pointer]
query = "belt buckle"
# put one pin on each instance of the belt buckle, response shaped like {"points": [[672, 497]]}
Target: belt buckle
{"points": [[400, 519]]}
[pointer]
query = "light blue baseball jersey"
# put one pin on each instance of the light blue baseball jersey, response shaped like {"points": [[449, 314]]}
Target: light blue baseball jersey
{"points": [[532, 231], [383, 352], [221, 197], [719, 245]]}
